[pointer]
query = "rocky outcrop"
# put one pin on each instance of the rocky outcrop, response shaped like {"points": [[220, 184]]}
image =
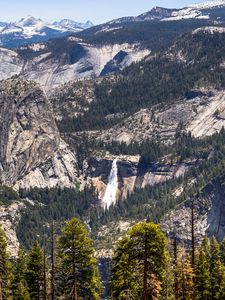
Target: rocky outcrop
{"points": [[11, 63], [76, 61], [9, 218], [59, 61], [31, 150], [209, 214], [130, 174], [201, 112]]}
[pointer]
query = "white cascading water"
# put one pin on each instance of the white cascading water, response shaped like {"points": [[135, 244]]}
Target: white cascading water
{"points": [[112, 186]]}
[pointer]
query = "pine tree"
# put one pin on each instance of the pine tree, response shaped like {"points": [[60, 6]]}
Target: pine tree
{"points": [[222, 252], [206, 247], [19, 286], [52, 262], [140, 263], [35, 272], [222, 282], [215, 266], [202, 273], [5, 268], [77, 270], [175, 268], [22, 292], [125, 281]]}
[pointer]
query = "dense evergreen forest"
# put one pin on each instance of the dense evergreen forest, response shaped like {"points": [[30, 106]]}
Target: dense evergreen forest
{"points": [[151, 34], [67, 271], [145, 265]]}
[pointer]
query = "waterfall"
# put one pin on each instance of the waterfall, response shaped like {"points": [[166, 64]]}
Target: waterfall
{"points": [[112, 186]]}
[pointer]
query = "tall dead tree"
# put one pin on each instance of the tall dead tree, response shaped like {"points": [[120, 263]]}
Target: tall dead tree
{"points": [[52, 261], [145, 277], [193, 243], [175, 267]]}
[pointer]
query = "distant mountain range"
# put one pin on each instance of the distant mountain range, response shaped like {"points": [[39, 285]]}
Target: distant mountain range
{"points": [[207, 10], [31, 29]]}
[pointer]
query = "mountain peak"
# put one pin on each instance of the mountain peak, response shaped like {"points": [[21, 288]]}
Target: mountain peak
{"points": [[68, 23], [89, 24], [156, 13], [29, 21]]}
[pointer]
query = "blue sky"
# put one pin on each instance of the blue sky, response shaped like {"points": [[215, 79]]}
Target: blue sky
{"points": [[98, 11]]}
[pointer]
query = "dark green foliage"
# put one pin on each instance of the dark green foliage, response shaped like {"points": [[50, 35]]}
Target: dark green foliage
{"points": [[5, 268], [7, 194], [19, 283], [222, 251], [35, 272], [151, 34], [139, 263], [202, 272], [215, 265], [51, 204], [77, 268]]}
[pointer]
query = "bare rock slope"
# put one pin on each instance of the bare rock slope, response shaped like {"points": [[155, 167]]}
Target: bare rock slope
{"points": [[209, 212], [31, 150], [57, 62]]}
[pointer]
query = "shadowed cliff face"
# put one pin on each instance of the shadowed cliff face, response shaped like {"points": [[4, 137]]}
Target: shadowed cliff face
{"points": [[130, 174], [31, 151], [209, 211]]}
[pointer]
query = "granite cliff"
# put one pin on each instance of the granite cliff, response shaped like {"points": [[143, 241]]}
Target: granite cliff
{"points": [[31, 150]]}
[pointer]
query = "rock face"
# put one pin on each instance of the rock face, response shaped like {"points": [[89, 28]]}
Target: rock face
{"points": [[59, 61], [200, 112], [31, 150], [9, 217], [130, 175], [209, 211], [11, 63]]}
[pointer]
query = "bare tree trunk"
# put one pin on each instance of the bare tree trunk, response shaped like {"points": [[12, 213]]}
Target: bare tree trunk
{"points": [[175, 269], [1, 294], [74, 294], [193, 244], [127, 295], [39, 292], [192, 235], [145, 283], [183, 276], [52, 263], [45, 277]]}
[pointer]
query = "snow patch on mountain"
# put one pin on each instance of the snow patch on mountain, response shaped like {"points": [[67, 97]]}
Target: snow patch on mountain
{"points": [[208, 4], [35, 30], [209, 30], [108, 29], [195, 11], [72, 25]]}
